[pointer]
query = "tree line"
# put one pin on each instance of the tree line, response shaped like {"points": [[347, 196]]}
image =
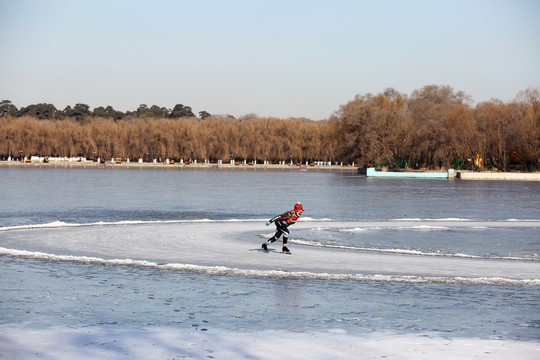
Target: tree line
{"points": [[216, 138], [79, 111], [437, 127], [434, 127]]}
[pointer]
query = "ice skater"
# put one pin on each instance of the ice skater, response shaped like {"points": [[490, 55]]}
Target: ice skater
{"points": [[283, 222]]}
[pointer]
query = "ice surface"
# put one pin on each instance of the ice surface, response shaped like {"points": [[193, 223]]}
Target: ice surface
{"points": [[415, 254], [233, 248], [272, 345]]}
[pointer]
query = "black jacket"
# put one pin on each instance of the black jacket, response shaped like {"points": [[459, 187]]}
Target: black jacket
{"points": [[285, 219]]}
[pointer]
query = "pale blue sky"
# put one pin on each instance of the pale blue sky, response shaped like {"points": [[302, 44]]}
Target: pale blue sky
{"points": [[296, 58]]}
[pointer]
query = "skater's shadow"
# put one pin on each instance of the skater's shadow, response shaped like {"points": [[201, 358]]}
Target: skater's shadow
{"points": [[264, 252]]}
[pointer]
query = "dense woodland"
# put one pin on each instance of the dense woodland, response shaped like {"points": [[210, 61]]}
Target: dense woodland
{"points": [[434, 127]]}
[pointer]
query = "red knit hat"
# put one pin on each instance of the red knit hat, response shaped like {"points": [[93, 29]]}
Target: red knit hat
{"points": [[298, 207]]}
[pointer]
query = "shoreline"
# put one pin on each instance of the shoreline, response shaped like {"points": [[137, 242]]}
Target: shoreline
{"points": [[459, 174], [177, 166], [502, 176]]}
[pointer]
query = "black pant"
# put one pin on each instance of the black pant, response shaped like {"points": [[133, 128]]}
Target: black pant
{"points": [[281, 229]]}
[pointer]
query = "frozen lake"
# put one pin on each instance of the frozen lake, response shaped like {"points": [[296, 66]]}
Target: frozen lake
{"points": [[176, 254]]}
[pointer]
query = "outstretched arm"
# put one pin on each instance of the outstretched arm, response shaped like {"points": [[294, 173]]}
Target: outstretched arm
{"points": [[276, 218], [272, 220]]}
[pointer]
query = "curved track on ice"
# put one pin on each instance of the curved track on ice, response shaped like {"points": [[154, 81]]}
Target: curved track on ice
{"points": [[233, 248]]}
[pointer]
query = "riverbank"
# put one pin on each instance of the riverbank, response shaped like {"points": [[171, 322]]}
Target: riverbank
{"points": [[459, 174], [451, 174], [172, 165], [491, 175]]}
